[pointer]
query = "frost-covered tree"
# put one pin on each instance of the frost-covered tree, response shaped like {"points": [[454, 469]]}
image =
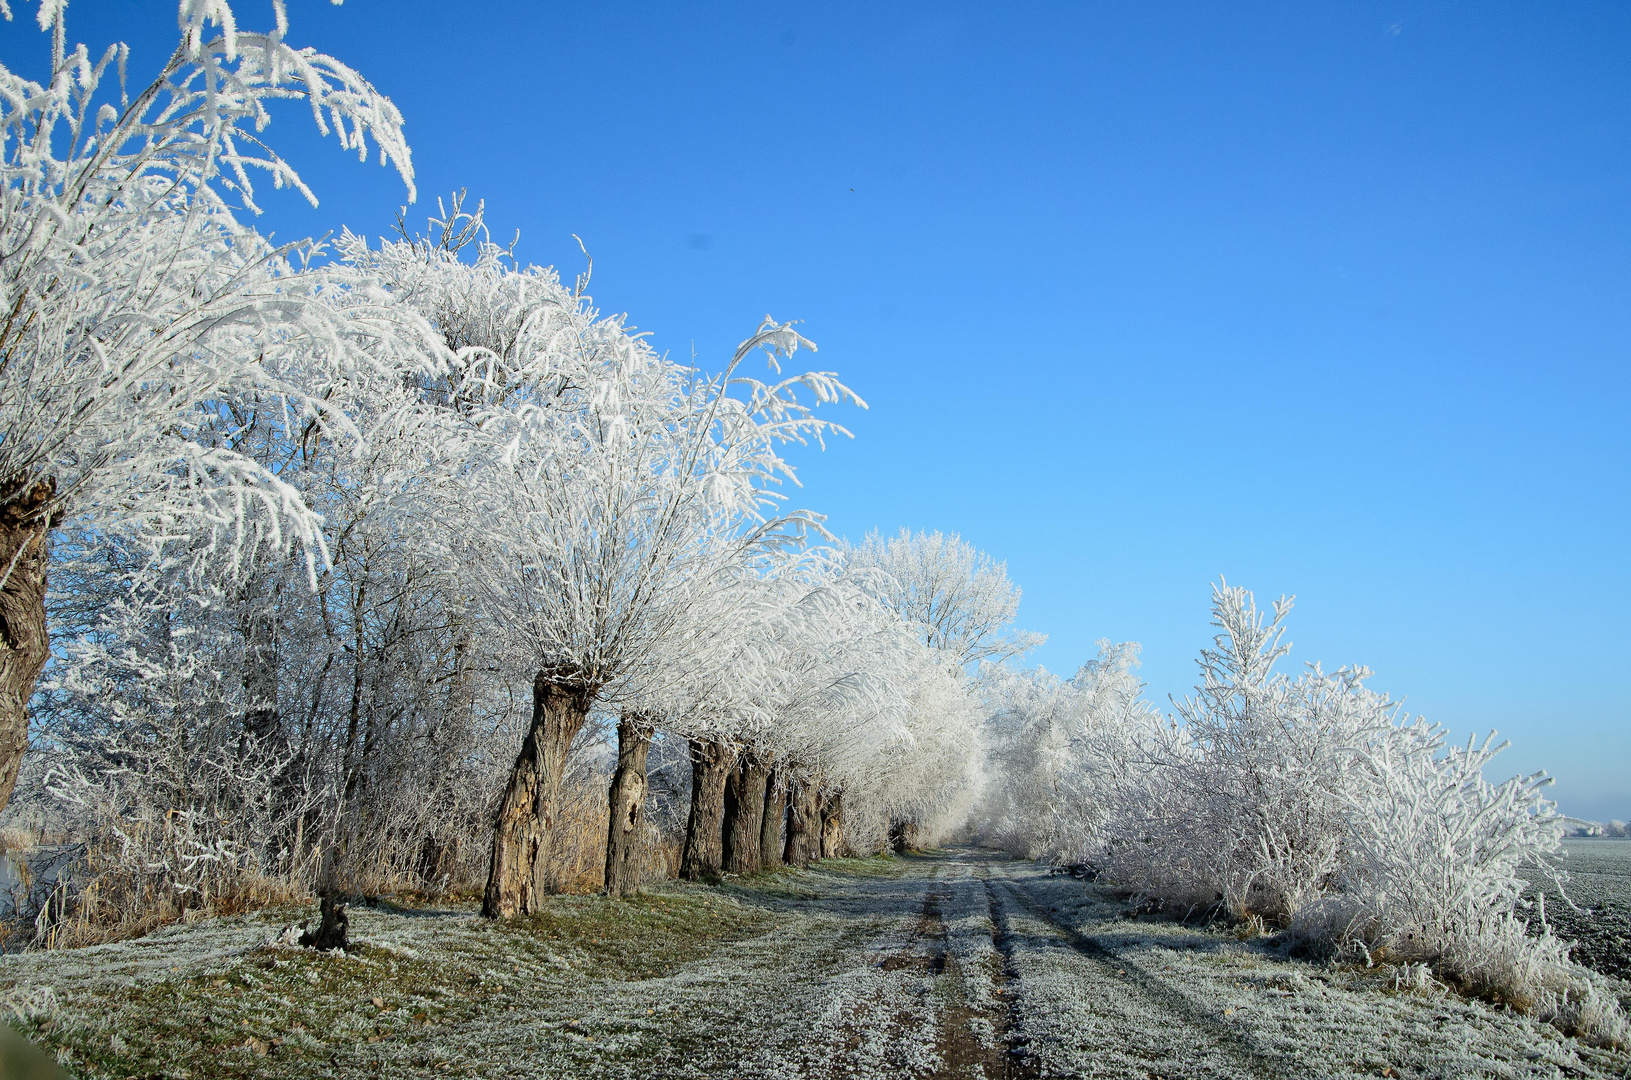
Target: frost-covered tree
{"points": [[133, 303], [925, 773], [703, 689], [370, 689], [1270, 761], [1069, 756], [599, 490], [838, 678], [960, 598], [864, 721]]}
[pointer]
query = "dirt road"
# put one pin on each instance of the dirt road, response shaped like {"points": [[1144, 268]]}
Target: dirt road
{"points": [[958, 964]]}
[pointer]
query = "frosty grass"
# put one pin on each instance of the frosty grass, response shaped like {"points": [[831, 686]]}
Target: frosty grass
{"points": [[956, 964]]}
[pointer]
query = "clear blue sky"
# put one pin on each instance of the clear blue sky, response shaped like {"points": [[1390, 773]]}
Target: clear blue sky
{"points": [[1330, 299]]}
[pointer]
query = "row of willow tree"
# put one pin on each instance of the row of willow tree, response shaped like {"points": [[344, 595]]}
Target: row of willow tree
{"points": [[300, 543]]}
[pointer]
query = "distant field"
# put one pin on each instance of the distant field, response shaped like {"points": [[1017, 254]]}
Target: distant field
{"points": [[1599, 882], [1599, 871]]}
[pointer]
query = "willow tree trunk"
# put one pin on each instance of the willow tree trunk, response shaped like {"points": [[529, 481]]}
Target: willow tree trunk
{"points": [[770, 823], [519, 877], [744, 814], [626, 808], [24, 644], [710, 764], [832, 826], [905, 836], [803, 824]]}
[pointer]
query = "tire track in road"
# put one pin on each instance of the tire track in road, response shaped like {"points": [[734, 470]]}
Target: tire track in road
{"points": [[1083, 1010], [882, 1017], [927, 1005], [962, 1052]]}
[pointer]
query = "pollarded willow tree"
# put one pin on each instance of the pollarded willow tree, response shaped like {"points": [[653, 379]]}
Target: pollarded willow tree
{"points": [[699, 687], [851, 727], [814, 663], [602, 492], [133, 304]]}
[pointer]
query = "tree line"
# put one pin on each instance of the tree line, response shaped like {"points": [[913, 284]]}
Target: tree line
{"points": [[306, 539]]}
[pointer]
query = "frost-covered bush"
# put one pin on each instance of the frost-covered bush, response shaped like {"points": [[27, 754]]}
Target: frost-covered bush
{"points": [[1431, 874], [1307, 803], [171, 811], [1433, 849], [1069, 755], [150, 759], [1260, 769]]}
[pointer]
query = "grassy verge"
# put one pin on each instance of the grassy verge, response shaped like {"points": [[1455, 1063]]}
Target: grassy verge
{"points": [[218, 999]]}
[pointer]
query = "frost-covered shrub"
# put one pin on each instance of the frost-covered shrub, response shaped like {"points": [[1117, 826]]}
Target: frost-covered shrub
{"points": [[1433, 849], [1268, 773], [1243, 801], [1068, 755], [1431, 875], [142, 868], [170, 807], [1309, 803], [150, 763]]}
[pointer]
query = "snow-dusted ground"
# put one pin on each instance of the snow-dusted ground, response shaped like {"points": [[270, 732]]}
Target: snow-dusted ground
{"points": [[954, 965]]}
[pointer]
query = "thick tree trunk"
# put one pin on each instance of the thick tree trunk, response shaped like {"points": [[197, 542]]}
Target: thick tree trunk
{"points": [[627, 807], [803, 824], [710, 764], [519, 877], [832, 827], [331, 929], [905, 836], [24, 644], [770, 824], [744, 813]]}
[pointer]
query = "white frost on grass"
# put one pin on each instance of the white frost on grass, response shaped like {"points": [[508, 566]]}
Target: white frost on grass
{"points": [[864, 970], [1280, 1016]]}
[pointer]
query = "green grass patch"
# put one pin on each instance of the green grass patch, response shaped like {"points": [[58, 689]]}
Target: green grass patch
{"points": [[881, 866], [779, 883], [646, 936], [412, 981]]}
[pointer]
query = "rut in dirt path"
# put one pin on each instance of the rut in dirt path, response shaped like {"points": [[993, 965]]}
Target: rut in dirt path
{"points": [[1080, 1009], [966, 1017]]}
